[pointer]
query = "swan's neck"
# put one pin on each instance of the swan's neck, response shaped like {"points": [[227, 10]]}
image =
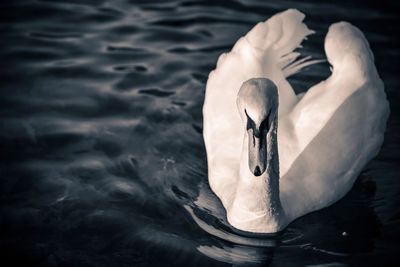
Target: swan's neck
{"points": [[257, 206]]}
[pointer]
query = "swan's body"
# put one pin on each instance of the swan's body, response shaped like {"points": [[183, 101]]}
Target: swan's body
{"points": [[322, 141]]}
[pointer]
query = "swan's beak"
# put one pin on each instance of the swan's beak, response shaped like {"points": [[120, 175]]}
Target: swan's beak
{"points": [[257, 152]]}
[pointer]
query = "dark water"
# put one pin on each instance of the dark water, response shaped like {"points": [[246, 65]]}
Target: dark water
{"points": [[102, 157]]}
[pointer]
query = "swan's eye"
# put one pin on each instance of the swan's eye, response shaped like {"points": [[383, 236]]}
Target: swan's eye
{"points": [[250, 122], [265, 125]]}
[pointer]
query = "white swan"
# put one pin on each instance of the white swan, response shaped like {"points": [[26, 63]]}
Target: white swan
{"points": [[273, 156]]}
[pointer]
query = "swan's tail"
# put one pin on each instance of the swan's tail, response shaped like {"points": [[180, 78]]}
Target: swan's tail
{"points": [[278, 37]]}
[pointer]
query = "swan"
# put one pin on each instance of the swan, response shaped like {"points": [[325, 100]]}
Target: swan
{"points": [[274, 156]]}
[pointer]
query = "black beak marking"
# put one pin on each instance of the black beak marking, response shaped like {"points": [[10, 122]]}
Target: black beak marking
{"points": [[257, 171]]}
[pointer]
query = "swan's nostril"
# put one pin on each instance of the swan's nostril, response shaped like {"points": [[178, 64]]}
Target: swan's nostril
{"points": [[257, 171]]}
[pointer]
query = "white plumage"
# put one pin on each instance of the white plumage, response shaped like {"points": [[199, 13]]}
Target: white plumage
{"points": [[324, 139]]}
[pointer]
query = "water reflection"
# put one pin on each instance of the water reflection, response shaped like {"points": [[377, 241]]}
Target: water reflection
{"points": [[336, 235]]}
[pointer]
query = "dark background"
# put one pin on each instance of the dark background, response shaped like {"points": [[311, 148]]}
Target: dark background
{"points": [[101, 147]]}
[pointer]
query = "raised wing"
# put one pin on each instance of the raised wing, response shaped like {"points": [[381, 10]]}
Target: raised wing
{"points": [[338, 124]]}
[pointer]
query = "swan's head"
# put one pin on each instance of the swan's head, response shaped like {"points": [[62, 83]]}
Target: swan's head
{"points": [[257, 102]]}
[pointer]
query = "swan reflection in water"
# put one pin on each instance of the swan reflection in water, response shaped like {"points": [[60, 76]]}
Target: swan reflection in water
{"points": [[230, 245], [334, 235]]}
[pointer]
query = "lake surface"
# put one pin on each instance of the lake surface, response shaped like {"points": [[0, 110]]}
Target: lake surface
{"points": [[102, 156]]}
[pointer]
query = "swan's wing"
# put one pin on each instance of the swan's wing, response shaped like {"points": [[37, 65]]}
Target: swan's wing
{"points": [[338, 124], [265, 51]]}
